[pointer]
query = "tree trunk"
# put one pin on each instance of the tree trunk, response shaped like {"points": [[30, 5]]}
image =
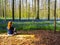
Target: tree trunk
{"points": [[29, 9], [37, 9], [5, 10], [32, 7], [0, 7], [55, 16], [13, 10], [19, 9], [26, 9], [48, 9], [22, 8], [3, 13]]}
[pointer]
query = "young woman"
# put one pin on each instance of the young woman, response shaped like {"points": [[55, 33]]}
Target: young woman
{"points": [[10, 28]]}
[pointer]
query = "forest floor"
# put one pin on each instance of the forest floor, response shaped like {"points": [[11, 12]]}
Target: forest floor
{"points": [[37, 37]]}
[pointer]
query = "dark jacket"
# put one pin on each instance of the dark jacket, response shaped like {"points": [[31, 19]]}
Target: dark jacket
{"points": [[11, 30]]}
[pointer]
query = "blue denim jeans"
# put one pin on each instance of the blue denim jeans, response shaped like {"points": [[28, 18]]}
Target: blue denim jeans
{"points": [[10, 32]]}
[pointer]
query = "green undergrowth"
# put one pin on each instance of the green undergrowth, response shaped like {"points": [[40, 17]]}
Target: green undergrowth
{"points": [[27, 26]]}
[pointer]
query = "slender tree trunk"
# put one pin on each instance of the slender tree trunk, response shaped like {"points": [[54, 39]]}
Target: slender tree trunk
{"points": [[26, 9], [5, 10], [37, 9], [3, 13], [29, 9], [13, 10], [22, 8], [2, 8], [19, 9], [32, 7], [55, 16], [48, 9]]}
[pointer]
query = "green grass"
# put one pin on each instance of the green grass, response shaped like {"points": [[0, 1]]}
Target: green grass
{"points": [[46, 25]]}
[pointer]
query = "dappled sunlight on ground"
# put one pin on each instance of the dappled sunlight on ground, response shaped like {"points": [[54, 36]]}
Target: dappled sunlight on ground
{"points": [[17, 39], [36, 37]]}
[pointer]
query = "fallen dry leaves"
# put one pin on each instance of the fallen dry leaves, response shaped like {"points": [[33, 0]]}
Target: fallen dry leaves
{"points": [[36, 37], [16, 40]]}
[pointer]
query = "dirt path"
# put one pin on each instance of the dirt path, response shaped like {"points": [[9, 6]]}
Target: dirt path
{"points": [[37, 37]]}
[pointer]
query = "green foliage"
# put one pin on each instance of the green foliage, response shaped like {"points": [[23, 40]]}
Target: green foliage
{"points": [[43, 14], [30, 26], [30, 12]]}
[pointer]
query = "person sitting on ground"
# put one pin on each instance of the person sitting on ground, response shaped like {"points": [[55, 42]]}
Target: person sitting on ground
{"points": [[10, 29]]}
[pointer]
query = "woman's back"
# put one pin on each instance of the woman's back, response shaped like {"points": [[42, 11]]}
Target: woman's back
{"points": [[10, 28]]}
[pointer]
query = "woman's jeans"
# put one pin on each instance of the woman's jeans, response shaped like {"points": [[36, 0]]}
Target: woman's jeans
{"points": [[10, 32]]}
